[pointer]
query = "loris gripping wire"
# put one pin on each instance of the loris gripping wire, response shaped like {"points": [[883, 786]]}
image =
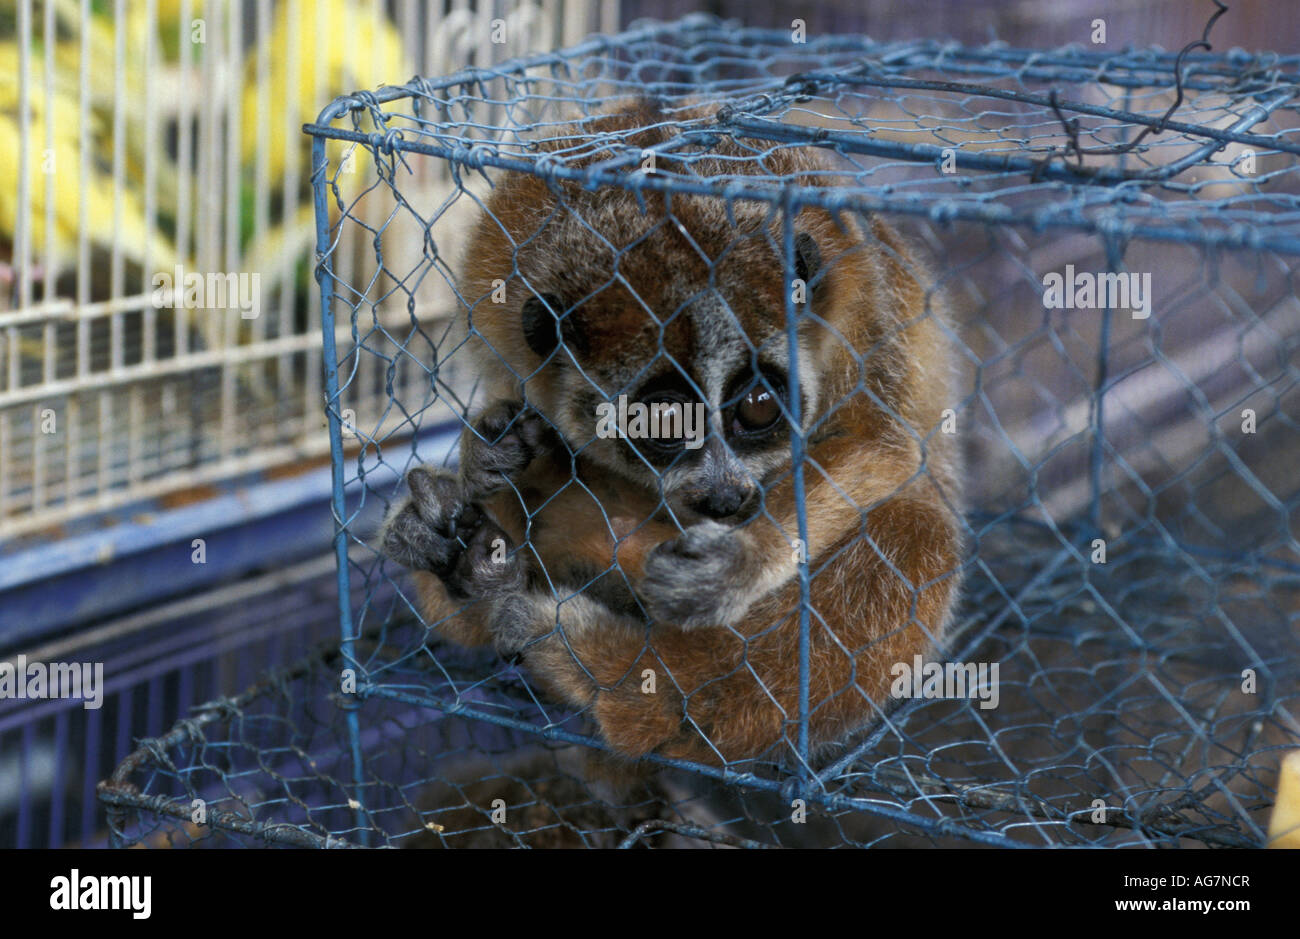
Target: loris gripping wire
{"points": [[602, 559]]}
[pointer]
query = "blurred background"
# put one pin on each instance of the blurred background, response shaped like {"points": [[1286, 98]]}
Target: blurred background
{"points": [[164, 469], [1169, 24]]}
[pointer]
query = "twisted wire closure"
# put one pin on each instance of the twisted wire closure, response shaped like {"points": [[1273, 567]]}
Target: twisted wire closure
{"points": [[1131, 562], [1071, 125]]}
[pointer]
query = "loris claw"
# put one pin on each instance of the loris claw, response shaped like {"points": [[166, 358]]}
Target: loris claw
{"points": [[503, 441]]}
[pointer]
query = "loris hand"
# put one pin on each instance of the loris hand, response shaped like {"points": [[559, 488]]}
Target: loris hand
{"points": [[692, 579]]}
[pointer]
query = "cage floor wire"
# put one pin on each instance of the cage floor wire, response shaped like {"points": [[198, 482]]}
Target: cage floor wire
{"points": [[1131, 564]]}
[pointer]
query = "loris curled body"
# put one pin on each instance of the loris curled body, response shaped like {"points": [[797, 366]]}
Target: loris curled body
{"points": [[600, 557]]}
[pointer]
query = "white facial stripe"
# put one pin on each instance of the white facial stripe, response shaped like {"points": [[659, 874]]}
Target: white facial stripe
{"points": [[809, 385], [722, 350]]}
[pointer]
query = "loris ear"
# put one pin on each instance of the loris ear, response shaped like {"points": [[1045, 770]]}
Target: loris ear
{"points": [[807, 258], [546, 324]]}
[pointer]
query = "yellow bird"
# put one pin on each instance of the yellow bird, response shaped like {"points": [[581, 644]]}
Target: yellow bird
{"points": [[56, 169], [313, 54], [129, 230]]}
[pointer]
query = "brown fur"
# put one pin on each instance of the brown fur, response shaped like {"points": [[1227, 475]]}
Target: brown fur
{"points": [[883, 533]]}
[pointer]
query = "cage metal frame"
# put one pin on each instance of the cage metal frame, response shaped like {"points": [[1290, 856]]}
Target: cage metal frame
{"points": [[1276, 82]]}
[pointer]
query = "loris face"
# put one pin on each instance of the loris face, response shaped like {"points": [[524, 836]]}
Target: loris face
{"points": [[656, 329]]}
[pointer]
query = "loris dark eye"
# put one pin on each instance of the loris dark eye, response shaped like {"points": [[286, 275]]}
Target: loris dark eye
{"points": [[757, 411]]}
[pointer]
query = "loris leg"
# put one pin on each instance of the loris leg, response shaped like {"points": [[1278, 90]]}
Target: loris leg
{"points": [[720, 695], [711, 574]]}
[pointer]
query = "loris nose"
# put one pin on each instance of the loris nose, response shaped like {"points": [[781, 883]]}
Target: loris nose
{"points": [[723, 501]]}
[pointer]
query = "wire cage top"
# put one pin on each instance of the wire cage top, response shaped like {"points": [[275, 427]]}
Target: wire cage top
{"points": [[1131, 564], [1145, 142]]}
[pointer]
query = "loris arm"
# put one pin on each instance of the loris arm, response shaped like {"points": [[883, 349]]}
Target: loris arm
{"points": [[729, 694]]}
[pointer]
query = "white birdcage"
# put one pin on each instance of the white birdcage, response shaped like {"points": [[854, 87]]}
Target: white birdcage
{"points": [[171, 146]]}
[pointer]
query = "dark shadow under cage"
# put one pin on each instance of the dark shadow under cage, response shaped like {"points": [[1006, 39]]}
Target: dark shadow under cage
{"points": [[1130, 560]]}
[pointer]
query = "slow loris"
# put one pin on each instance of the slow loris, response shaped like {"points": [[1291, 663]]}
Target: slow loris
{"points": [[654, 580]]}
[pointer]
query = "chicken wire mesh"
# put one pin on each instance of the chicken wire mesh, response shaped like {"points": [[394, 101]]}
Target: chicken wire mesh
{"points": [[1130, 564]]}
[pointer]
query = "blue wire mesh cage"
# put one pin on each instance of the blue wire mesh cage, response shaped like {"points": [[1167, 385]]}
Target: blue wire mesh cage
{"points": [[1129, 561]]}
